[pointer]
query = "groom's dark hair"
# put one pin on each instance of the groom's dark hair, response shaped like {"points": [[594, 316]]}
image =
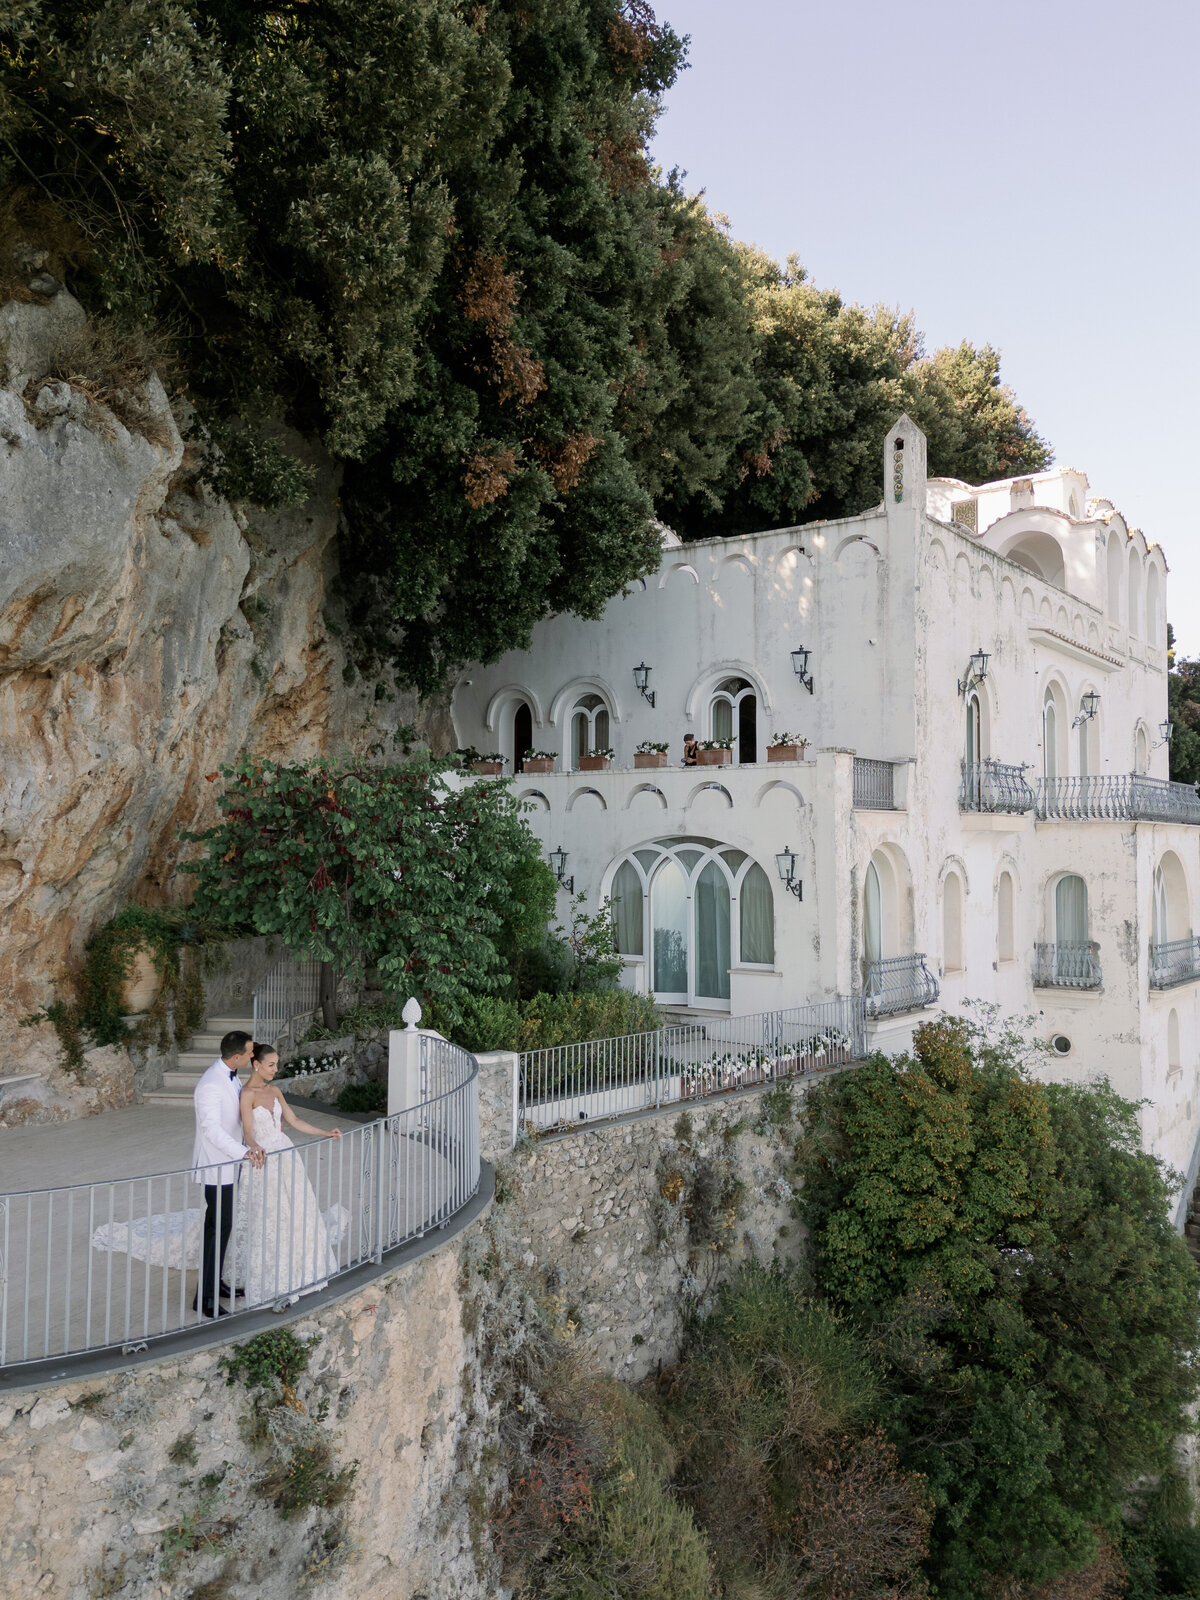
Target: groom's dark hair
{"points": [[232, 1044]]}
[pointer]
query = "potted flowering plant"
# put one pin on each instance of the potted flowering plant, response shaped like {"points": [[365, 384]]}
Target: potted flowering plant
{"points": [[596, 760], [650, 754], [488, 766], [786, 747], [715, 752], [538, 761]]}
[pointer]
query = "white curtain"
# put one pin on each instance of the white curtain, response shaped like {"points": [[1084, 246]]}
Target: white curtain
{"points": [[627, 909], [757, 917], [1050, 734], [1070, 911], [873, 916], [669, 908], [722, 720], [1161, 934], [712, 933]]}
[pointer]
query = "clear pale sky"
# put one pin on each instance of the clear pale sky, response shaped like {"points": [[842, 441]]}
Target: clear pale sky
{"points": [[1023, 175]]}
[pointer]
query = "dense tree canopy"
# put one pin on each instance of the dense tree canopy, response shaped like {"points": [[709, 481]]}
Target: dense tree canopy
{"points": [[427, 233], [1006, 1246]]}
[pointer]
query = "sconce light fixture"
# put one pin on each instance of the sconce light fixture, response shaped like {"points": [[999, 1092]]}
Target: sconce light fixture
{"points": [[641, 677], [785, 861], [800, 666], [558, 860], [976, 671], [1166, 729], [1088, 708]]}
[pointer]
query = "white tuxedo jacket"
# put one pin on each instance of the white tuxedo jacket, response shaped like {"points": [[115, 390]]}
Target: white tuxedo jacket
{"points": [[218, 1151]]}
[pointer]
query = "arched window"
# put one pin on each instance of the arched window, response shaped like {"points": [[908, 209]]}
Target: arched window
{"points": [[522, 735], [700, 908], [872, 916], [734, 715], [1135, 593], [589, 727], [1153, 622], [1174, 1058], [1004, 917], [952, 923], [1161, 922], [1115, 568], [1141, 751], [1070, 911], [1050, 736]]}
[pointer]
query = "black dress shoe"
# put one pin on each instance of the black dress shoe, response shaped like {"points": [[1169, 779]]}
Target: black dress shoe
{"points": [[213, 1311], [232, 1294]]}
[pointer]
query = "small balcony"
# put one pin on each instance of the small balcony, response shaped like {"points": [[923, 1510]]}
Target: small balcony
{"points": [[1066, 966], [1129, 797], [897, 984], [1175, 961], [874, 785], [993, 787]]}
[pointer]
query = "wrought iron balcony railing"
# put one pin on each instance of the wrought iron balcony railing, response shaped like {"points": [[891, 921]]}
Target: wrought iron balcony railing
{"points": [[1130, 797], [1175, 961], [1067, 966], [874, 785], [993, 786], [899, 983]]}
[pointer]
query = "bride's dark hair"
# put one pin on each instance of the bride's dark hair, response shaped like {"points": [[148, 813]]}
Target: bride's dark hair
{"points": [[262, 1051]]}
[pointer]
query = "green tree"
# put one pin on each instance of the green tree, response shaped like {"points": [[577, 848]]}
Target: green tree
{"points": [[384, 867], [1006, 1246], [1183, 713]]}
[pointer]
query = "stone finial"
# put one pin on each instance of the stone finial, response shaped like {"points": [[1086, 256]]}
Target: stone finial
{"points": [[411, 1014]]}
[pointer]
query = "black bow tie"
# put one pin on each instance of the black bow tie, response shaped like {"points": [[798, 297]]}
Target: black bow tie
{"points": [[232, 1073]]}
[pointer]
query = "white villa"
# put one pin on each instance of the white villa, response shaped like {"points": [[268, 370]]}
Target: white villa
{"points": [[982, 809]]}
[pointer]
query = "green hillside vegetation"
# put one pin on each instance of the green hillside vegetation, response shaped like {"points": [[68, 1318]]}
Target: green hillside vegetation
{"points": [[427, 234]]}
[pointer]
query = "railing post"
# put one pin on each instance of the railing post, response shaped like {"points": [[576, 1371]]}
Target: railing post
{"points": [[404, 1062]]}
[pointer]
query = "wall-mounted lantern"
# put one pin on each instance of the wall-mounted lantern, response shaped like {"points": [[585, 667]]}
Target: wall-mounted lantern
{"points": [[785, 861], [558, 861], [1088, 707], [641, 677], [1166, 729], [800, 666], [976, 671]]}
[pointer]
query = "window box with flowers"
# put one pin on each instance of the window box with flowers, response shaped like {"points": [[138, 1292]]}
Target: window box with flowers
{"points": [[650, 754], [596, 761], [538, 761], [786, 747], [487, 766], [715, 752]]}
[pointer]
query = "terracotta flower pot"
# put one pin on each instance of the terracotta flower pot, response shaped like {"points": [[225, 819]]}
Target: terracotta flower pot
{"points": [[594, 763], [714, 758], [140, 989], [488, 769], [538, 764], [784, 752], [649, 758]]}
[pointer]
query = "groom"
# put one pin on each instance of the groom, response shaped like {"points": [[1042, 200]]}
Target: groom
{"points": [[217, 1151]]}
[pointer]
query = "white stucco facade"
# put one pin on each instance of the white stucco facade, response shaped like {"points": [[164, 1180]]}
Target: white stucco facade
{"points": [[1043, 889]]}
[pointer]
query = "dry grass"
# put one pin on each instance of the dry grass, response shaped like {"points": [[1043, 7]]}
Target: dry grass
{"points": [[111, 366]]}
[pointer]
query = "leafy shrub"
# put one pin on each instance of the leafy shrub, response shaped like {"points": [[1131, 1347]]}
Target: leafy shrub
{"points": [[269, 1358], [364, 1097], [306, 1477]]}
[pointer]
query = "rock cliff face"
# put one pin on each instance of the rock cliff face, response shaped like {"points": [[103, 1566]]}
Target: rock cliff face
{"points": [[149, 631]]}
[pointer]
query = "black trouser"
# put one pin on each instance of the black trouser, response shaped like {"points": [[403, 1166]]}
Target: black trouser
{"points": [[218, 1198]]}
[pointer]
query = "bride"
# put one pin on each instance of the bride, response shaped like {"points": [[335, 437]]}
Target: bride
{"points": [[285, 1250]]}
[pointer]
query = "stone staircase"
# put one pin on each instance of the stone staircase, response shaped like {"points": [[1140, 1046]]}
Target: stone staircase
{"points": [[203, 1049]]}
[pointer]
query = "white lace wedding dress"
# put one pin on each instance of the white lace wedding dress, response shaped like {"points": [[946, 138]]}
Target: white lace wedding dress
{"points": [[283, 1242]]}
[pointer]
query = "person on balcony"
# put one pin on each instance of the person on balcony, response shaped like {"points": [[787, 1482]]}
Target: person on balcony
{"points": [[215, 1163], [689, 750]]}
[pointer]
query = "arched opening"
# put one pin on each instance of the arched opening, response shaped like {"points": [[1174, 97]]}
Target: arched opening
{"points": [[1040, 553], [701, 909], [1115, 568], [1174, 1056], [522, 735], [1141, 751], [733, 715], [589, 728], [1052, 734], [1004, 918], [1135, 592], [952, 923], [1153, 621], [1070, 911], [1172, 911]]}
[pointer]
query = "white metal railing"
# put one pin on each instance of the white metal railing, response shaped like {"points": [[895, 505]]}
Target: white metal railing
{"points": [[1130, 797], [874, 785], [1067, 966], [1175, 961], [897, 984], [115, 1265], [287, 995], [573, 1083], [993, 786]]}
